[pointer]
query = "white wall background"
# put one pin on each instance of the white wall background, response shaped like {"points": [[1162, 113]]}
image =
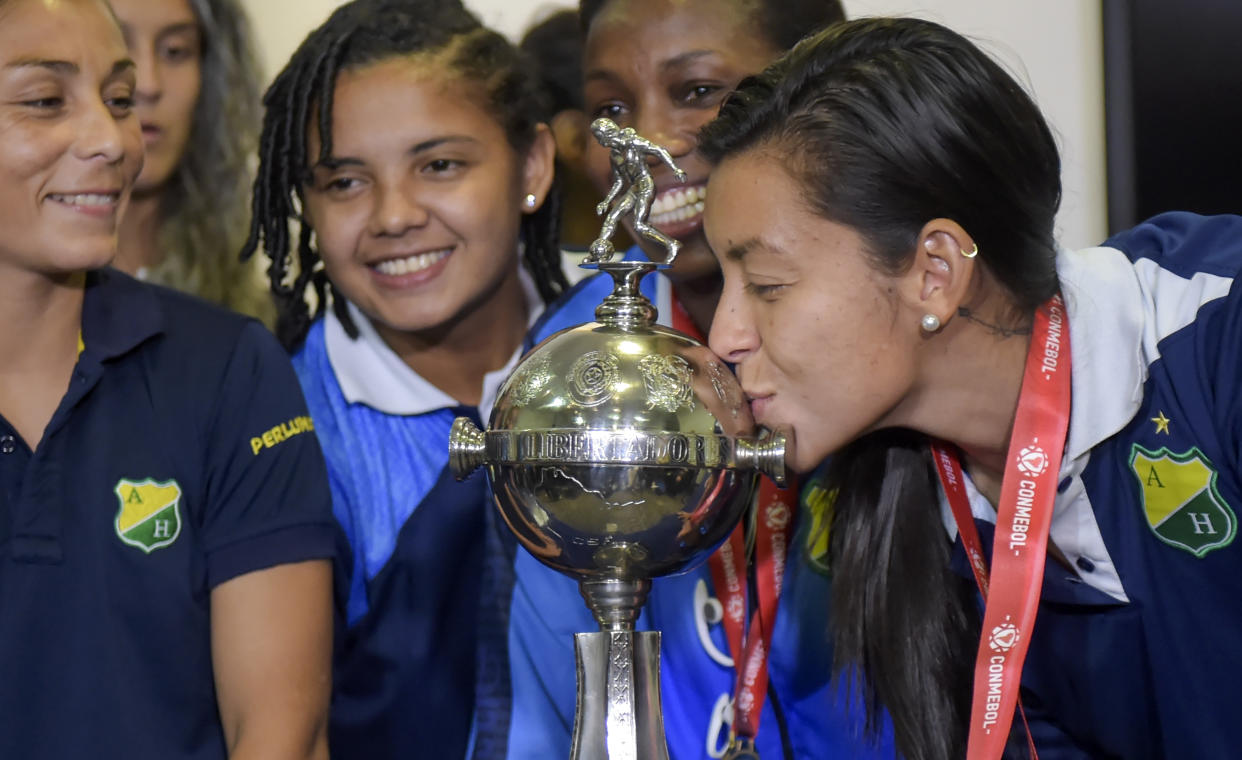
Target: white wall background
{"points": [[1054, 47]]}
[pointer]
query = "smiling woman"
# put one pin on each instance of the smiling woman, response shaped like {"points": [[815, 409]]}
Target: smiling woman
{"points": [[146, 568], [404, 139], [60, 208]]}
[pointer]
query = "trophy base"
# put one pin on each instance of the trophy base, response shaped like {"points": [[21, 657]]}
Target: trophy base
{"points": [[618, 716]]}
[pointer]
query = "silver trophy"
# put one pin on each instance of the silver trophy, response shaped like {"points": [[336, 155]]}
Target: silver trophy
{"points": [[619, 451]]}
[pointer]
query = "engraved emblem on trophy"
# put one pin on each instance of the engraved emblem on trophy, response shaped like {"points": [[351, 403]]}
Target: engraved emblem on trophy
{"points": [[620, 451]]}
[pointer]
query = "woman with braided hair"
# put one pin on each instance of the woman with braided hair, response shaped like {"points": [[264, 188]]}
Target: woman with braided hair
{"points": [[403, 140]]}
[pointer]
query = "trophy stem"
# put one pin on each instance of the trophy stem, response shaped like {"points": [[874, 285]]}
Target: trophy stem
{"points": [[626, 307], [619, 715], [615, 603]]}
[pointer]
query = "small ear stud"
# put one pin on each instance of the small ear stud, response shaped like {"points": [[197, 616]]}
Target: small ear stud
{"points": [[530, 200], [972, 252], [931, 323]]}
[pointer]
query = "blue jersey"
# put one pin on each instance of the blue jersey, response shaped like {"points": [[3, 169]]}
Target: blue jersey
{"points": [[424, 582], [1135, 651], [804, 716]]}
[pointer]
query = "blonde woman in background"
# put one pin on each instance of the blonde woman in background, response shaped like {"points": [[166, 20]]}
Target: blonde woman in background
{"points": [[198, 102]]}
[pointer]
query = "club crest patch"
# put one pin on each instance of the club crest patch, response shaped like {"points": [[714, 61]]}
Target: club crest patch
{"points": [[817, 504], [1180, 500], [150, 515]]}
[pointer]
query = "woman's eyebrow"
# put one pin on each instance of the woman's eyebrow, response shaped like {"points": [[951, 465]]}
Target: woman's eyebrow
{"points": [[683, 58], [64, 67]]}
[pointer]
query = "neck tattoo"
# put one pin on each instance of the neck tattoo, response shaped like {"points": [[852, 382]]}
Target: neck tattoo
{"points": [[1003, 332]]}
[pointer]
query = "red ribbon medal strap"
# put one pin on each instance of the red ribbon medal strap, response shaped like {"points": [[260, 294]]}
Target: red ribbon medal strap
{"points": [[749, 645], [1024, 516]]}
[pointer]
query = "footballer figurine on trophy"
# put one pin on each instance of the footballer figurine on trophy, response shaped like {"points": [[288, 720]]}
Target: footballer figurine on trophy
{"points": [[620, 451], [629, 152]]}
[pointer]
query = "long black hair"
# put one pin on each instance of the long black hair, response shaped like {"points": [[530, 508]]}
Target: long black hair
{"points": [[887, 124], [781, 22], [357, 34]]}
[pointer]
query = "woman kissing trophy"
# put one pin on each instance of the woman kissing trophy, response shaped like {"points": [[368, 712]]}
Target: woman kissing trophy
{"points": [[619, 451]]}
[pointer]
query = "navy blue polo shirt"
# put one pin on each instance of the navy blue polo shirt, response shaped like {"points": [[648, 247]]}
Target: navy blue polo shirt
{"points": [[1135, 650], [181, 456]]}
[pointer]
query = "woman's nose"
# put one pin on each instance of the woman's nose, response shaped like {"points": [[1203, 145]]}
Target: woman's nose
{"points": [[733, 335], [397, 210], [664, 129], [148, 79]]}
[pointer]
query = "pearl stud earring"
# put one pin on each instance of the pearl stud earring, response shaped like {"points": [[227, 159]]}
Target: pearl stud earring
{"points": [[931, 323], [530, 200]]}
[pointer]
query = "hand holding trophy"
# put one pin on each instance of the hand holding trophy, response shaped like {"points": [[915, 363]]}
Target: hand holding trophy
{"points": [[619, 451]]}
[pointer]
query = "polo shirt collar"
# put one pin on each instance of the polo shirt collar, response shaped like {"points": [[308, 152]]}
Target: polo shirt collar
{"points": [[1104, 304], [371, 373], [118, 314], [1104, 307]]}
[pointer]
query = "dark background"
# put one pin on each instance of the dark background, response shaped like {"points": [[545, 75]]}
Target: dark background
{"points": [[1173, 103]]}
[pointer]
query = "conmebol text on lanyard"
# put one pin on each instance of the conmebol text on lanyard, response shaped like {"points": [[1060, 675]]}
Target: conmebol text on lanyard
{"points": [[749, 646], [1023, 517]]}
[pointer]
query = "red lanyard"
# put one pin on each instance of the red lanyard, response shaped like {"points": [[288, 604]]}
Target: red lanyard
{"points": [[1023, 518], [750, 645]]}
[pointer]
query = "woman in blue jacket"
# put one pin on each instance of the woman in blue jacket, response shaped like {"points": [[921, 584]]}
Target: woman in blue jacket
{"points": [[403, 138]]}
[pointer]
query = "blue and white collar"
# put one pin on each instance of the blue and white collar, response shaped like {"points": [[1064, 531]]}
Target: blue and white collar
{"points": [[371, 373], [1119, 310]]}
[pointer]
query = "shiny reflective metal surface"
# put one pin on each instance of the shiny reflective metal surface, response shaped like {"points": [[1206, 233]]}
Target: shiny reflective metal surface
{"points": [[637, 729], [633, 188], [619, 451]]}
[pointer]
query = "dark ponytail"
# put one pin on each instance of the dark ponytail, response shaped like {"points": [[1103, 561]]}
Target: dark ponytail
{"points": [[900, 617], [888, 124], [357, 34]]}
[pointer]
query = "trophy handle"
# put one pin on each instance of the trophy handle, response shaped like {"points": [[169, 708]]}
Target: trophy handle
{"points": [[766, 456], [467, 448]]}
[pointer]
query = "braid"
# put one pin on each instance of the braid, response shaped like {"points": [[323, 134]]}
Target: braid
{"points": [[357, 34], [541, 244], [282, 157]]}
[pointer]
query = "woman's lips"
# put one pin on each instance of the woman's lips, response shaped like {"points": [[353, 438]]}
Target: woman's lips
{"points": [[414, 269], [678, 211], [758, 405]]}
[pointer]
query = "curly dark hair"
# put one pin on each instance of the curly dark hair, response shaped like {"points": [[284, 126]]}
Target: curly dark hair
{"points": [[357, 34]]}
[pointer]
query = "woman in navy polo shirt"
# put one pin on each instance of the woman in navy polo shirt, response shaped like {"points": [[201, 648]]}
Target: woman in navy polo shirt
{"points": [[165, 526], [882, 206]]}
